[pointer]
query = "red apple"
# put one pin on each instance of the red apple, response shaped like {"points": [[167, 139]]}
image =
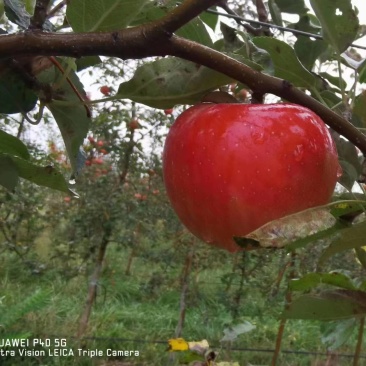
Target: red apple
{"points": [[98, 161], [231, 168], [134, 124], [168, 111], [242, 94], [105, 90]]}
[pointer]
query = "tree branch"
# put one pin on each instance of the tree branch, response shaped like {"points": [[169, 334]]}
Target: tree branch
{"points": [[156, 39], [40, 14], [56, 9], [262, 15], [261, 84]]}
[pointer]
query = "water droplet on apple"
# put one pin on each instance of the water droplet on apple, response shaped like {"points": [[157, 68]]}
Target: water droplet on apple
{"points": [[258, 137], [299, 152], [313, 146]]}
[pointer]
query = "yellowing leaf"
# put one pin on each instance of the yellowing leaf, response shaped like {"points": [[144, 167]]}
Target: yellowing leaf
{"points": [[199, 347], [178, 344], [279, 233]]}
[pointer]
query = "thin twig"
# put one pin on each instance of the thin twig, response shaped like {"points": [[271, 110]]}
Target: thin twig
{"points": [[262, 15], [73, 87], [274, 26], [93, 285], [56, 9], [359, 342], [254, 31], [281, 328], [40, 14], [183, 294]]}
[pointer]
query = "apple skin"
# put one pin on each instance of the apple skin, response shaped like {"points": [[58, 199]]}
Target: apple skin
{"points": [[231, 168]]}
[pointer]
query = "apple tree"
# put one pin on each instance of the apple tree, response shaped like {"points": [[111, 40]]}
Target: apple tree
{"points": [[192, 53]]}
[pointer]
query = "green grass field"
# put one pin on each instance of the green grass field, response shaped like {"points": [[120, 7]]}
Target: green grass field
{"points": [[140, 312]]}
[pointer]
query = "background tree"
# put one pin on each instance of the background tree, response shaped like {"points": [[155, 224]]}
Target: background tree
{"points": [[149, 57]]}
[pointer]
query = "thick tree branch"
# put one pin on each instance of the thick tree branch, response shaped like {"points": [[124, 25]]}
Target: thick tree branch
{"points": [[262, 84], [155, 39]]}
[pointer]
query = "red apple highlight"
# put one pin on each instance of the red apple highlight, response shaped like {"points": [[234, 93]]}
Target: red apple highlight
{"points": [[231, 168]]}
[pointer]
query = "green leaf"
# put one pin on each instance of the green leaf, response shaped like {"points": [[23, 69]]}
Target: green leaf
{"points": [[16, 13], [335, 80], [339, 22], [71, 117], [103, 15], [9, 173], [337, 333], [308, 50], [307, 23], [362, 72], [242, 50], [331, 99], [9, 144], [349, 174], [194, 30], [346, 207], [210, 19], [359, 109], [43, 176], [87, 61], [361, 256], [312, 280], [2, 11], [328, 305], [170, 81], [287, 65], [275, 12], [349, 238], [349, 161], [232, 43], [292, 6], [15, 97]]}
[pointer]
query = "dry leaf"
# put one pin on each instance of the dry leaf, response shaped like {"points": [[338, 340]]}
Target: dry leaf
{"points": [[278, 233]]}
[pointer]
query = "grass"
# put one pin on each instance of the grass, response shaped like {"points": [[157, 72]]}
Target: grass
{"points": [[140, 312]]}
